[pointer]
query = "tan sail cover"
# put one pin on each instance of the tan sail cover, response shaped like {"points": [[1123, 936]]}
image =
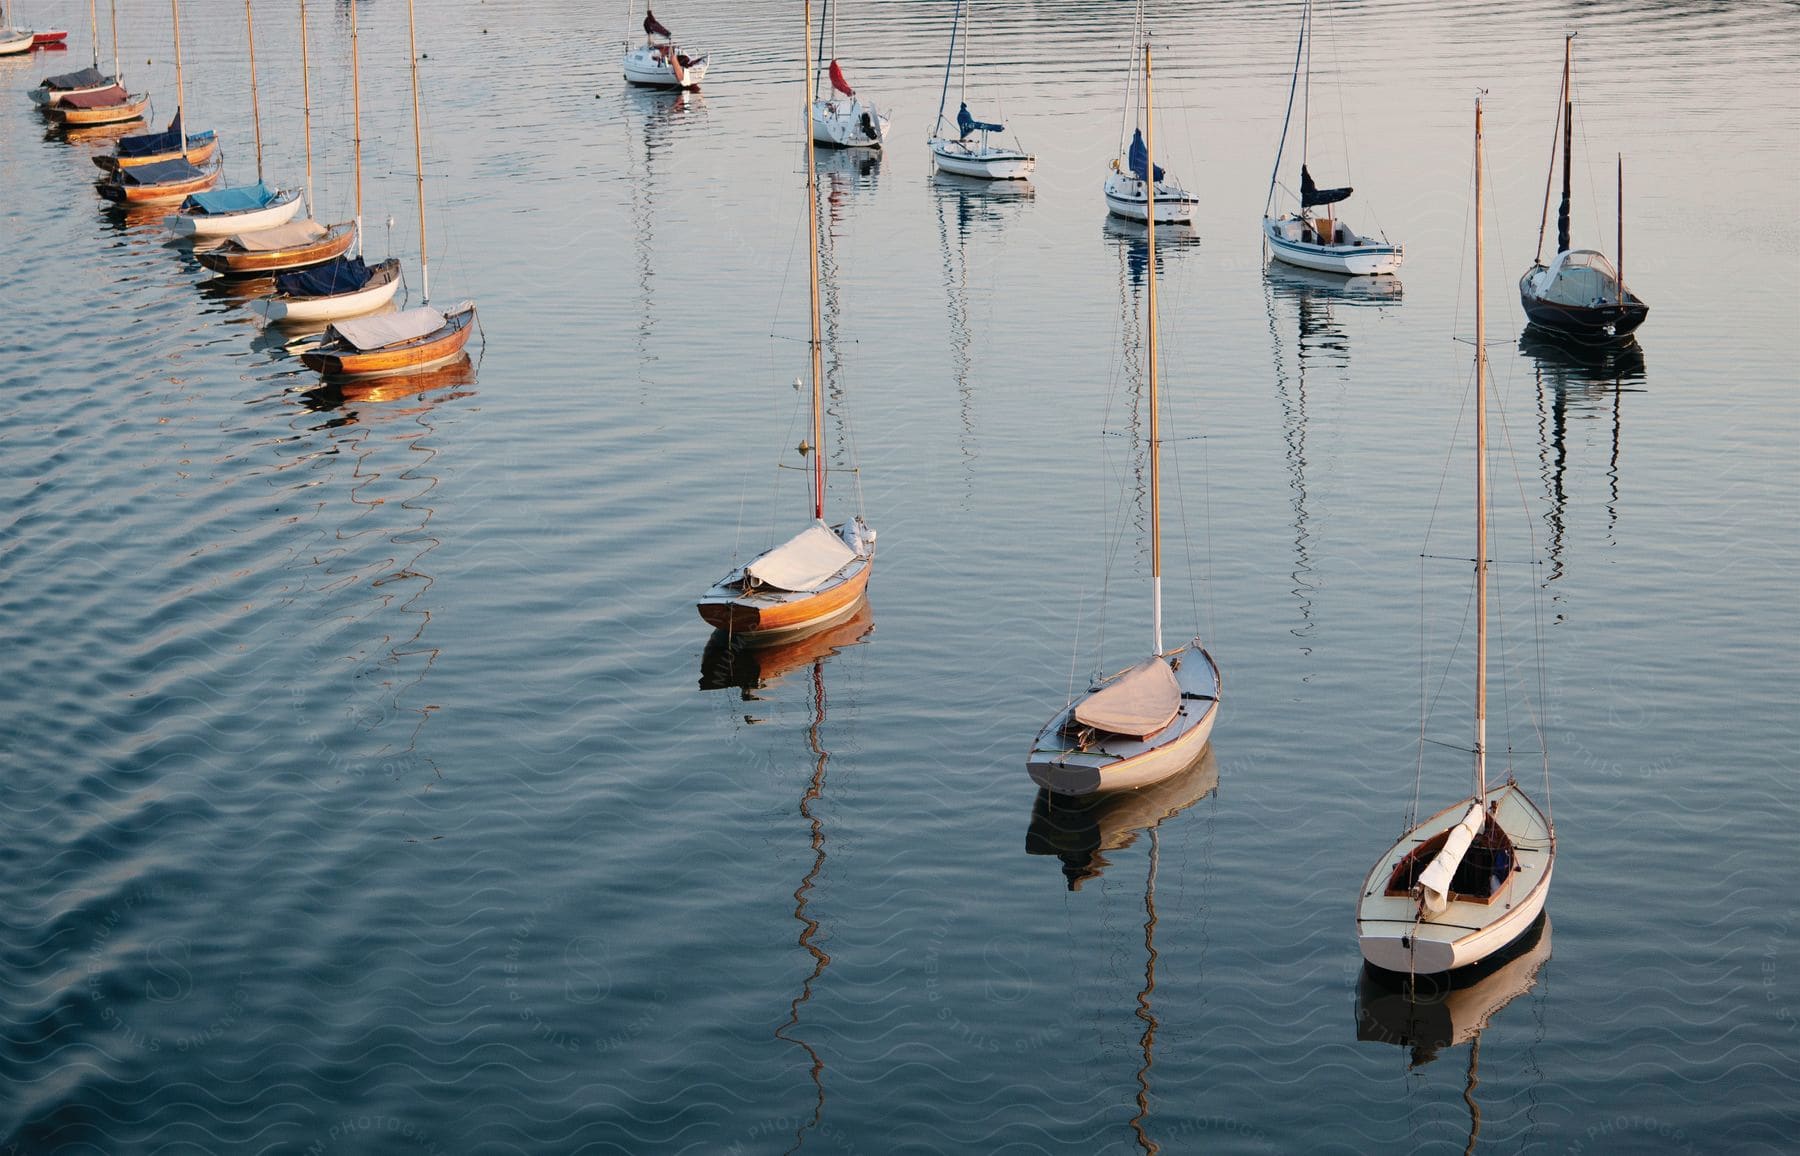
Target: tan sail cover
{"points": [[1434, 881], [1138, 703], [289, 236], [804, 561], [389, 328]]}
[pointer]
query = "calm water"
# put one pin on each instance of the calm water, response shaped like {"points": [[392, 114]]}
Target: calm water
{"points": [[361, 792]]}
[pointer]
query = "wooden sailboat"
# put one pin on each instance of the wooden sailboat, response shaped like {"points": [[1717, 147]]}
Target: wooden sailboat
{"points": [[244, 208], [172, 144], [658, 63], [85, 99], [1471, 879], [53, 89], [1125, 189], [820, 574], [842, 119], [1579, 293], [175, 175], [411, 340], [965, 145], [1149, 721], [342, 286], [1312, 236]]}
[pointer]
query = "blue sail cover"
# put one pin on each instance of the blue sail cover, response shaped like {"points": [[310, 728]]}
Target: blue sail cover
{"points": [[967, 124], [144, 144], [1311, 194], [238, 200], [160, 173], [339, 275], [1140, 156]]}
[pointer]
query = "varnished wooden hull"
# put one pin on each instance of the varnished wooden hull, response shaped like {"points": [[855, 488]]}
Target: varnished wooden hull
{"points": [[200, 150], [169, 192], [434, 349], [131, 109], [748, 615], [239, 262]]}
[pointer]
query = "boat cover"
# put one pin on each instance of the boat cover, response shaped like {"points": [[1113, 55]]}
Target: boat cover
{"points": [[1140, 156], [338, 275], [1138, 703], [234, 200], [1311, 194], [838, 82], [101, 98], [654, 27], [804, 561], [1434, 881], [366, 333], [86, 78], [160, 173], [967, 124], [289, 236], [146, 143]]}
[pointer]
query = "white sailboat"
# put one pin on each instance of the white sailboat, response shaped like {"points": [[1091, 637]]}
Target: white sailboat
{"points": [[1126, 188], [1311, 235], [971, 152], [658, 63], [843, 119], [1472, 878], [1154, 718]]}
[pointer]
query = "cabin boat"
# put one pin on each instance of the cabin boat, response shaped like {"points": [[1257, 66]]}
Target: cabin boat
{"points": [[658, 63]]}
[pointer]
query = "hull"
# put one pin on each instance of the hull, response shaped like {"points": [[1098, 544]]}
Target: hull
{"points": [[1361, 258], [238, 262], [1591, 322], [848, 124], [1126, 197], [437, 348], [281, 212], [642, 66], [54, 36], [201, 148], [129, 109], [47, 98], [378, 292], [14, 41], [987, 163], [1393, 937], [159, 194], [1120, 763], [769, 615]]}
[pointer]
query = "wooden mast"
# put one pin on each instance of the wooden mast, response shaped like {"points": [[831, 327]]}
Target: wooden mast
{"points": [[306, 107], [356, 123], [812, 232], [115, 36], [412, 43], [180, 100], [255, 109], [1155, 431], [94, 27], [1481, 542]]}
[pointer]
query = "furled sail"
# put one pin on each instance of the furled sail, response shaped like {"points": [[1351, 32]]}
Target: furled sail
{"points": [[1139, 156], [967, 124], [1138, 703], [653, 26], [803, 562], [1434, 881], [838, 82], [150, 143], [1311, 194]]}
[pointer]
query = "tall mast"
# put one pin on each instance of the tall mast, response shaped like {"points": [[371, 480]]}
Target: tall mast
{"points": [[1481, 532], [1562, 213], [94, 25], [306, 107], [180, 101], [812, 233], [115, 35], [356, 123], [949, 63], [255, 110], [1155, 438], [1306, 98], [1550, 173], [1620, 270], [813, 86], [412, 42]]}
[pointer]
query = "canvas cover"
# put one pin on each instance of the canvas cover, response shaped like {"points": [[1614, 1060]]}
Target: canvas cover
{"points": [[1311, 194], [102, 98], [289, 236], [338, 275], [966, 122], [1434, 881], [235, 200], [366, 333], [1139, 156], [86, 78], [144, 144], [803, 562], [1138, 703], [160, 173]]}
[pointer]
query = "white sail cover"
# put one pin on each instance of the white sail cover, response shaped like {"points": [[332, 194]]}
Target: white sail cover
{"points": [[804, 561], [1138, 703], [367, 333], [1434, 881], [289, 236]]}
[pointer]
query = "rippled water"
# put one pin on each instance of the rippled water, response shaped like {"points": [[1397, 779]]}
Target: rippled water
{"points": [[370, 786]]}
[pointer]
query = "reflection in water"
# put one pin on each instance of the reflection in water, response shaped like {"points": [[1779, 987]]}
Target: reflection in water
{"points": [[1426, 1014], [1080, 832], [752, 665], [661, 113], [1133, 239]]}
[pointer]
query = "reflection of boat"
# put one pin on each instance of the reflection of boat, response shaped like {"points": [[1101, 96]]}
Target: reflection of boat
{"points": [[1463, 884], [458, 376], [1133, 238], [1124, 189], [1579, 293], [1152, 719], [1315, 285], [729, 661], [971, 151], [1583, 365], [658, 63]]}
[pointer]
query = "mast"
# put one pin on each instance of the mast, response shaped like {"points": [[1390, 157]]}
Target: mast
{"points": [[115, 35], [1620, 270], [355, 123], [1306, 97], [949, 63], [812, 233], [825, 9], [1481, 543], [412, 43], [255, 110], [1155, 439], [306, 107], [94, 26], [1562, 212], [1287, 116], [1550, 173], [180, 102]]}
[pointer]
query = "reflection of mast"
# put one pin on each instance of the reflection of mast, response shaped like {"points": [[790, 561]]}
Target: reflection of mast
{"points": [[1148, 1040], [956, 287], [810, 926], [658, 109], [830, 208]]}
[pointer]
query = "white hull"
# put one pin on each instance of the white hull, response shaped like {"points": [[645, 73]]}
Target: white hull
{"points": [[332, 308], [980, 161], [231, 224], [847, 123], [1120, 763], [16, 40], [1390, 931], [1127, 197], [644, 66], [1356, 256]]}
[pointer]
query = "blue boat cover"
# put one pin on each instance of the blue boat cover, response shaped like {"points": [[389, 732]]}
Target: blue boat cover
{"points": [[236, 200], [86, 78], [968, 124], [1140, 156], [1311, 194], [146, 143], [338, 275], [160, 173]]}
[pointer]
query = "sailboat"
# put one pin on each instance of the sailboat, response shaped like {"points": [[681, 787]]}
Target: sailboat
{"points": [[1580, 293], [820, 574], [53, 89], [342, 286], [412, 340], [1472, 878], [658, 63], [178, 172], [172, 144], [262, 250], [1126, 191], [242, 208], [1154, 718], [844, 119], [14, 41], [1312, 236], [87, 98], [971, 151]]}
